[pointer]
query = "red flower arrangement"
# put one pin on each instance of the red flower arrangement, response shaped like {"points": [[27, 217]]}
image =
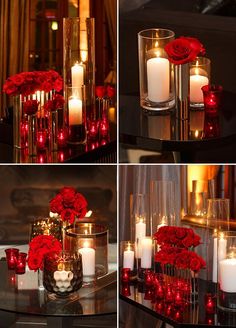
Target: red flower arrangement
{"points": [[27, 83], [39, 247], [69, 204], [177, 236], [30, 107], [57, 102], [175, 243], [103, 91], [184, 50]]}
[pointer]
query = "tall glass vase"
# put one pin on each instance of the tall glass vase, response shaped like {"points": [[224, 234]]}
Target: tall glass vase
{"points": [[182, 101], [20, 123], [79, 57], [32, 138], [53, 130]]}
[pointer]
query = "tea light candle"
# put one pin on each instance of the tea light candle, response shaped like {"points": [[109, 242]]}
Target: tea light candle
{"points": [[88, 259], [75, 111], [227, 271], [197, 81], [158, 78], [146, 253], [77, 75], [128, 258]]}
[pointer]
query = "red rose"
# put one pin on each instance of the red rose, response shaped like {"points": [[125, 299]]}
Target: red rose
{"points": [[110, 91], [69, 215], [68, 195], [34, 261], [183, 50], [195, 264], [58, 84], [80, 205], [56, 205], [30, 107], [100, 91], [57, 102], [9, 88], [180, 233]]}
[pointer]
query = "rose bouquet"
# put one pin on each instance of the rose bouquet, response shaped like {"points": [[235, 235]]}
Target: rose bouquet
{"points": [[176, 248], [27, 83], [69, 204], [39, 247]]}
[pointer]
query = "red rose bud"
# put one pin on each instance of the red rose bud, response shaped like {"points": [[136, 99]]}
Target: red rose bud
{"points": [[100, 91], [30, 107], [110, 91]]}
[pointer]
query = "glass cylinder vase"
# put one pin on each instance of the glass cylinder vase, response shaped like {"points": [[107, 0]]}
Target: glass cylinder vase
{"points": [[53, 130], [155, 71], [79, 56], [20, 124], [62, 273], [200, 72], [91, 241], [76, 111], [32, 138], [227, 272]]}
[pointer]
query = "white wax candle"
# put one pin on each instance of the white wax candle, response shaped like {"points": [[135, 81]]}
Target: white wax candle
{"points": [[196, 84], [158, 79], [227, 271], [77, 75], [88, 260], [140, 232], [63, 280], [128, 259], [75, 111], [146, 253], [222, 248], [214, 269]]}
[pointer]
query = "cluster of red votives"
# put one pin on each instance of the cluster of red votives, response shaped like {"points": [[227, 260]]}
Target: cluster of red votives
{"points": [[16, 260]]}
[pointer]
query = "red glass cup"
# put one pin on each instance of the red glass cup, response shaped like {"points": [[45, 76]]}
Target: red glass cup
{"points": [[21, 263], [41, 139], [93, 128], [62, 138], [212, 95], [104, 127], [149, 278], [125, 274], [11, 256], [126, 290], [210, 303]]}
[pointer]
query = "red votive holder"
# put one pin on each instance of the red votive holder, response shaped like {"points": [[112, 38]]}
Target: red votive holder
{"points": [[159, 291], [148, 278], [11, 256], [41, 139], [125, 274], [169, 294], [212, 95], [125, 290], [93, 128], [62, 138], [210, 303], [178, 299], [21, 263], [104, 127]]}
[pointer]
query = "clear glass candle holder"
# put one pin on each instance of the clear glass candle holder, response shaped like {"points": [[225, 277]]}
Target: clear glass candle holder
{"points": [[200, 71], [62, 273], [156, 73], [198, 203], [218, 212], [227, 271], [91, 241], [76, 113]]}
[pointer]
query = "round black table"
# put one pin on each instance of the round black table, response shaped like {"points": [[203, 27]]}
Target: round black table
{"points": [[158, 132], [99, 300]]}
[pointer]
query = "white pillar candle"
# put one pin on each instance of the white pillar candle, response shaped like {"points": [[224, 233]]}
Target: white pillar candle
{"points": [[88, 260], [196, 84], [158, 79], [63, 280], [214, 269], [227, 271], [75, 111], [146, 253], [77, 75], [222, 248], [128, 259], [140, 232]]}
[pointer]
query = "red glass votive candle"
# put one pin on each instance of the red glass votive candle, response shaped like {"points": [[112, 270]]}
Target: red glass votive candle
{"points": [[210, 303], [148, 276], [104, 127], [62, 138], [125, 275], [21, 263], [178, 299], [159, 291], [93, 127], [212, 98], [11, 256], [41, 139], [125, 291]]}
